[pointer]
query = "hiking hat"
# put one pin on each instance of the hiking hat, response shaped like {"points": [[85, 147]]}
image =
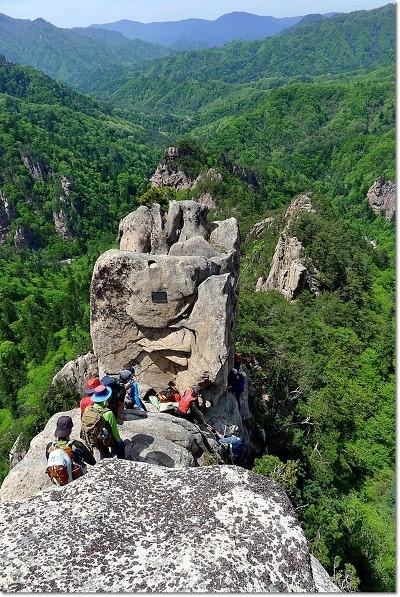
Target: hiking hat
{"points": [[107, 380], [101, 393], [125, 375], [64, 427], [91, 384]]}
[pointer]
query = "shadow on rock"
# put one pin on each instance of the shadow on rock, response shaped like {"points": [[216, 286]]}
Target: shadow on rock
{"points": [[139, 444]]}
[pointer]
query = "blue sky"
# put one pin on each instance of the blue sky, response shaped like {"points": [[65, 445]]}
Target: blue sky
{"points": [[69, 13]]}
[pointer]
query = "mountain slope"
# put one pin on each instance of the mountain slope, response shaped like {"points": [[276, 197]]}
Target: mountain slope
{"points": [[329, 47], [70, 56], [201, 32]]}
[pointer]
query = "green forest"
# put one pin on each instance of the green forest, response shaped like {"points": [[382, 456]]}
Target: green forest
{"points": [[310, 110]]}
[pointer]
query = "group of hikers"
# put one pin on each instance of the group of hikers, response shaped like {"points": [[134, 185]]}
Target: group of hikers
{"points": [[102, 408]]}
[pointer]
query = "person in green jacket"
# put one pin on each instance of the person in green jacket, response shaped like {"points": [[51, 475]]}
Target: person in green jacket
{"points": [[100, 398]]}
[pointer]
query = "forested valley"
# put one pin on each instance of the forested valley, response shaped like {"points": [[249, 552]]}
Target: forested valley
{"points": [[311, 110]]}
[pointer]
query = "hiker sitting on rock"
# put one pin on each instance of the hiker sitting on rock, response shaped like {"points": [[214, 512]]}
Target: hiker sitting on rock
{"points": [[66, 458], [132, 396], [236, 379], [86, 401], [188, 405], [99, 426]]}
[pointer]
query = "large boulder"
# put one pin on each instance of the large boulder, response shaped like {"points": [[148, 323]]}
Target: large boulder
{"points": [[154, 438], [381, 198], [76, 373], [191, 530], [171, 312]]}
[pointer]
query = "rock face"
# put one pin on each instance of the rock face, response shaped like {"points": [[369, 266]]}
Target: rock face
{"points": [[169, 174], [323, 583], [166, 295], [25, 238], [166, 301], [194, 530], [61, 217], [7, 214], [37, 169], [154, 438], [75, 373], [17, 452], [381, 198], [259, 228], [288, 272]]}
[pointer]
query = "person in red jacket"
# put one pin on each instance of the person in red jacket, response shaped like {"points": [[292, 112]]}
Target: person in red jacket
{"points": [[187, 408], [86, 401]]}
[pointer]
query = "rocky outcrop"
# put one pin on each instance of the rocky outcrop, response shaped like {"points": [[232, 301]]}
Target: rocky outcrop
{"points": [[25, 238], [289, 273], [7, 215], [37, 168], [193, 530], [259, 228], [170, 174], [61, 216], [17, 452], [166, 301], [75, 373], [381, 198], [154, 438]]}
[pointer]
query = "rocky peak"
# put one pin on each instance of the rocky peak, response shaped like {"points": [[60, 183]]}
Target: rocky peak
{"points": [[7, 215], [381, 198], [288, 273], [169, 173]]}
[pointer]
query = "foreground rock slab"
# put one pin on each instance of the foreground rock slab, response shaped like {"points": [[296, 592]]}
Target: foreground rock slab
{"points": [[134, 527]]}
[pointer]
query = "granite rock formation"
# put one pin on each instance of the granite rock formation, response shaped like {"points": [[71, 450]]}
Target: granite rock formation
{"points": [[381, 198], [169, 173], [289, 273], [167, 300], [75, 373], [155, 438], [61, 216], [36, 168], [7, 215], [191, 530]]}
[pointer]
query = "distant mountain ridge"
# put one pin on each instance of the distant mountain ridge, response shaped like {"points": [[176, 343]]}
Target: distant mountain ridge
{"points": [[70, 56], [202, 33]]}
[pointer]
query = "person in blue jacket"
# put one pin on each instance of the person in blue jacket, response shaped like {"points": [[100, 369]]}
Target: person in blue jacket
{"points": [[132, 396]]}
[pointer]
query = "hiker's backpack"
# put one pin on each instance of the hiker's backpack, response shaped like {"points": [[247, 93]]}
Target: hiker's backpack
{"points": [[60, 465], [95, 431]]}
